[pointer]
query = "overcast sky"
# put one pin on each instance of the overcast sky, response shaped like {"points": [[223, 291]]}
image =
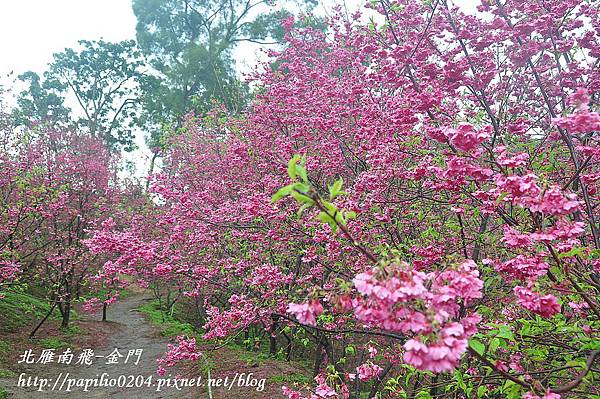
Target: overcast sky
{"points": [[32, 30]]}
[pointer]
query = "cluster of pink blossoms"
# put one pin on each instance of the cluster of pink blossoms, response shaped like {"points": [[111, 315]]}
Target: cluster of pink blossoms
{"points": [[94, 304], [242, 313], [322, 391], [465, 137], [563, 230], [548, 395], [555, 202], [544, 305], [185, 349], [8, 270], [398, 298], [523, 267], [549, 202], [442, 355], [506, 160], [306, 313], [525, 192], [582, 121], [367, 371]]}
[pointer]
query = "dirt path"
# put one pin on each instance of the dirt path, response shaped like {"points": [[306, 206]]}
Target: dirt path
{"points": [[132, 332]]}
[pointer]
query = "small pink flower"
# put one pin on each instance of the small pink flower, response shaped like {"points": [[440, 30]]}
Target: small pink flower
{"points": [[548, 395], [545, 306], [465, 138], [306, 313], [367, 371], [325, 391], [291, 394]]}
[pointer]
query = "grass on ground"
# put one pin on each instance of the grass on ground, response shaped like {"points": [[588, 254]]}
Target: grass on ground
{"points": [[169, 326], [232, 358]]}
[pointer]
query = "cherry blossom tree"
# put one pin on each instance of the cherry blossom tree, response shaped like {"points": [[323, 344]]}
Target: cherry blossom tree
{"points": [[55, 186], [437, 233]]}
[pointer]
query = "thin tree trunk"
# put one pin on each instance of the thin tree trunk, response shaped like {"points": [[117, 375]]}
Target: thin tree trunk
{"points": [[31, 334], [288, 348], [379, 380], [151, 169], [318, 358]]}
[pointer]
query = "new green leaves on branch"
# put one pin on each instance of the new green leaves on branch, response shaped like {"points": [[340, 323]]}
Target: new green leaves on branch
{"points": [[302, 191]]}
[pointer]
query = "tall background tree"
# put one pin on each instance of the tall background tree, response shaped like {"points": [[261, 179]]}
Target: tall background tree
{"points": [[104, 80], [43, 101], [189, 44]]}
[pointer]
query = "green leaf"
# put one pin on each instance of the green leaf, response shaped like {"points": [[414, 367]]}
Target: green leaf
{"points": [[506, 333], [477, 346], [575, 251], [494, 344], [526, 328], [302, 169], [459, 380], [500, 198], [340, 218], [325, 218], [292, 167], [423, 395], [303, 188], [303, 199], [592, 345], [335, 188], [512, 390], [481, 391], [331, 208], [282, 192]]}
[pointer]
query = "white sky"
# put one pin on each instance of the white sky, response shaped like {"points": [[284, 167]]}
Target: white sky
{"points": [[32, 30]]}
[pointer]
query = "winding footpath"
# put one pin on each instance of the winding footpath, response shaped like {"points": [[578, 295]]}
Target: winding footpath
{"points": [[134, 332]]}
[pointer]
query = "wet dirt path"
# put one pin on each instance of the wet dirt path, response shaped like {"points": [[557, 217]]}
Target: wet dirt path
{"points": [[133, 332]]}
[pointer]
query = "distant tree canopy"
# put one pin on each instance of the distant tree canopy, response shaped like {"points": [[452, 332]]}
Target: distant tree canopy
{"points": [[42, 101], [104, 80], [189, 45]]}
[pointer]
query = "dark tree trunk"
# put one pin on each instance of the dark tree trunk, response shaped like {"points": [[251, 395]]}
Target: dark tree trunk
{"points": [[379, 380], [318, 358], [273, 340], [66, 317], [288, 348]]}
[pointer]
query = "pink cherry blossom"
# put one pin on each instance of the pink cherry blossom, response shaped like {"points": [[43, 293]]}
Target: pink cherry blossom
{"points": [[545, 306], [465, 137], [367, 371], [306, 313], [523, 268]]}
